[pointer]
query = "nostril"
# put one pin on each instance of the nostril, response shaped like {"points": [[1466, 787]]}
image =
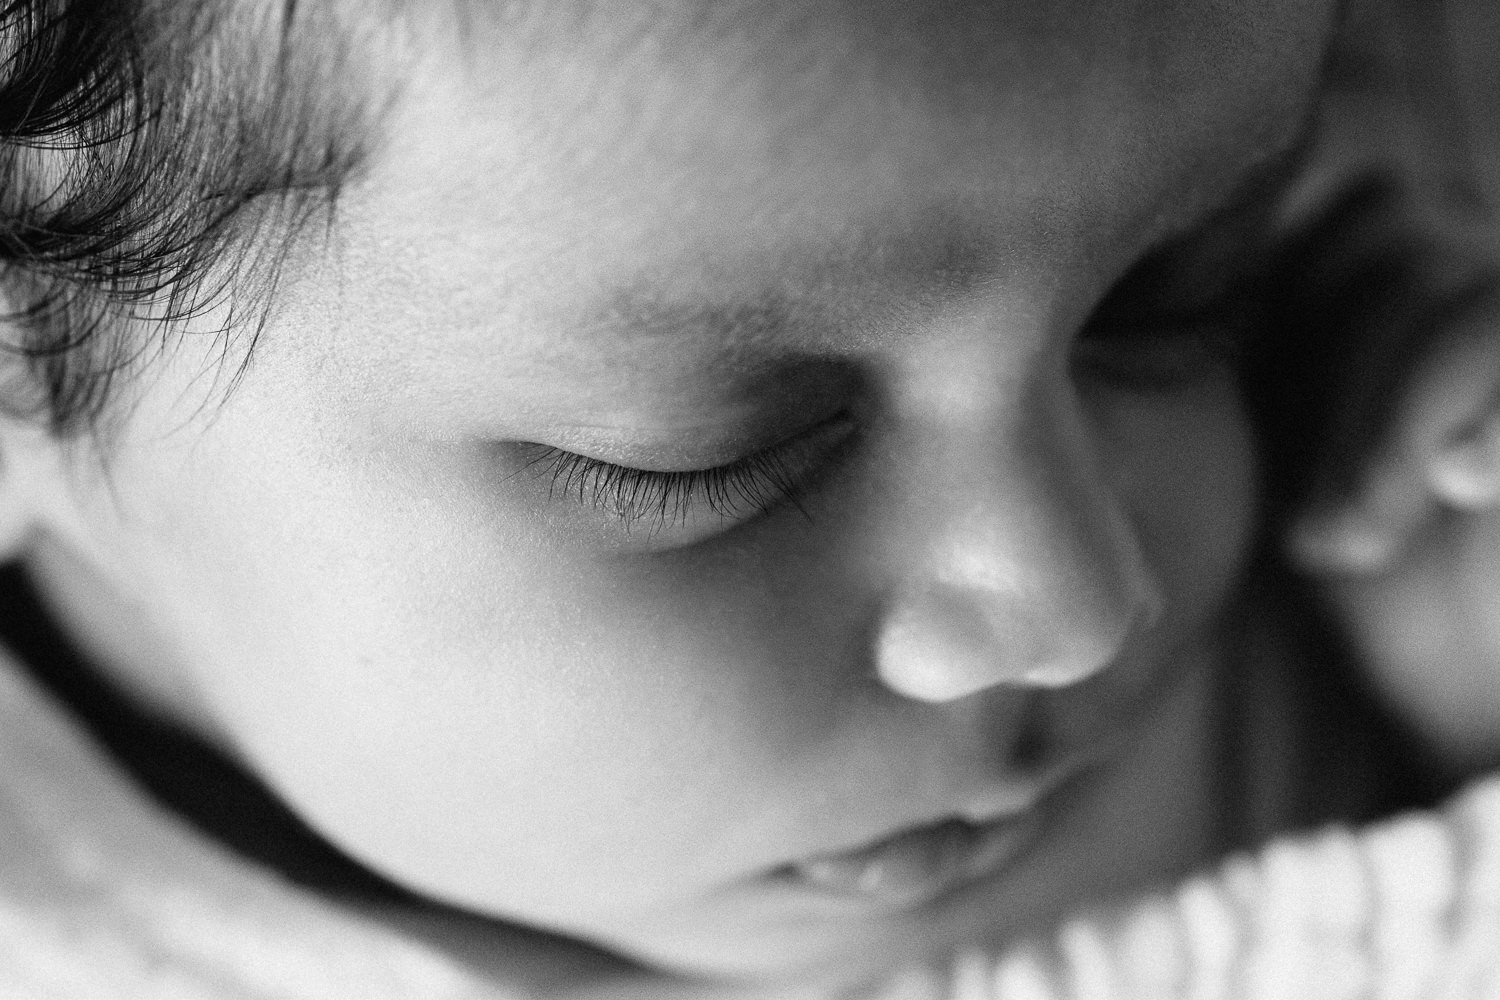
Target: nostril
{"points": [[945, 644], [949, 642]]}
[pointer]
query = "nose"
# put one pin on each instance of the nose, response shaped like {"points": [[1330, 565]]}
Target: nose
{"points": [[1015, 561]]}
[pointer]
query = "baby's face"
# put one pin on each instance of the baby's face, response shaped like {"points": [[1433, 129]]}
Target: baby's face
{"points": [[927, 558]]}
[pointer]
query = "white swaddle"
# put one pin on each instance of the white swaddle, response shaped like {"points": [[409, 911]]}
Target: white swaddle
{"points": [[105, 897], [1405, 908]]}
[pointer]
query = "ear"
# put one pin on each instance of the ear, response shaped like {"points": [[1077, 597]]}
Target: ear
{"points": [[1438, 458]]}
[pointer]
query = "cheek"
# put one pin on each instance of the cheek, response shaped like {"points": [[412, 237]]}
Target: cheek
{"points": [[1184, 465], [404, 666], [507, 703]]}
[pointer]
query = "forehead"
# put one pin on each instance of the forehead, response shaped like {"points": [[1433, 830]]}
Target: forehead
{"points": [[779, 85], [545, 168]]}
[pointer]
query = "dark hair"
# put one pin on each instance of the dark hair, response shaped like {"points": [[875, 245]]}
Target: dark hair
{"points": [[156, 157]]}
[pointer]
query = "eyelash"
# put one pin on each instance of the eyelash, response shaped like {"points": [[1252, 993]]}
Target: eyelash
{"points": [[773, 476], [751, 485]]}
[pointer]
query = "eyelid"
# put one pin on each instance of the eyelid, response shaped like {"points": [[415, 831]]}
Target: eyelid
{"points": [[1173, 320], [674, 447], [1170, 353], [733, 491]]}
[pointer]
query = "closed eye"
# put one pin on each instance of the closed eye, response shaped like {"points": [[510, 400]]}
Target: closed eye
{"points": [[1170, 353], [663, 499], [1179, 315]]}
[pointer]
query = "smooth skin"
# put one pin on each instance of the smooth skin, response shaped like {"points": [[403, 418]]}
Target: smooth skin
{"points": [[668, 237]]}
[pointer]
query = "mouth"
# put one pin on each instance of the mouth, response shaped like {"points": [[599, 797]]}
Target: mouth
{"points": [[919, 864]]}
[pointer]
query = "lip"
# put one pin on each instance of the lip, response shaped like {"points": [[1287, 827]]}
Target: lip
{"points": [[919, 864]]}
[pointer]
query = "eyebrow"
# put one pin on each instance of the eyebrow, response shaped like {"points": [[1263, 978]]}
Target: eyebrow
{"points": [[731, 337], [940, 256], [643, 314]]}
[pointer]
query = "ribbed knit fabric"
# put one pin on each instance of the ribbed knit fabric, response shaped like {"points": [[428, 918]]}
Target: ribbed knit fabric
{"points": [[1405, 908]]}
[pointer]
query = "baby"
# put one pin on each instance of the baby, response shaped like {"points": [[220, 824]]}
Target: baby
{"points": [[743, 492]]}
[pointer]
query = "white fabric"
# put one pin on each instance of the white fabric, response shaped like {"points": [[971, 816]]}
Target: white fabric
{"points": [[1403, 909], [104, 896]]}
